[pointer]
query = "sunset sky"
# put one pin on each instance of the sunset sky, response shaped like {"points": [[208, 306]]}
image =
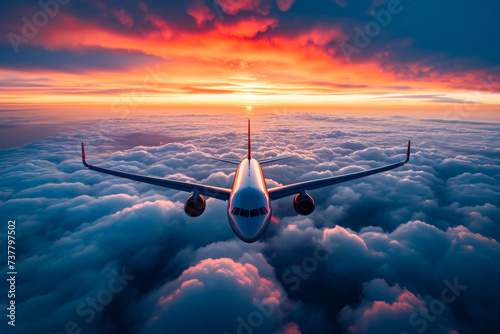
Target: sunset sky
{"points": [[367, 54], [160, 87]]}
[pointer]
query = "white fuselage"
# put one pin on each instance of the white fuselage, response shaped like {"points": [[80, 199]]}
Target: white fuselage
{"points": [[249, 209]]}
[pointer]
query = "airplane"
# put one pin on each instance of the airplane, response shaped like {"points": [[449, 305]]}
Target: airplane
{"points": [[249, 201]]}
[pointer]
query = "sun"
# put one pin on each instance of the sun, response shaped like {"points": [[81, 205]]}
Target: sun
{"points": [[249, 108]]}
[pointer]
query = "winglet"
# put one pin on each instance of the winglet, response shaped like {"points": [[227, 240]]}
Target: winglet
{"points": [[408, 153], [249, 154], [83, 157]]}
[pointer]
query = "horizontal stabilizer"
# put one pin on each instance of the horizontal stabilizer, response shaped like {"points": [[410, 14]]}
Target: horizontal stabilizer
{"points": [[226, 160], [266, 161]]}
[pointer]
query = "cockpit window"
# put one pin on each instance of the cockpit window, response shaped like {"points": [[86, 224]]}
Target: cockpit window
{"points": [[249, 213]]}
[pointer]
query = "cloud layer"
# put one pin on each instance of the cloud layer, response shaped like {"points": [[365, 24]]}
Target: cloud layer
{"points": [[413, 250]]}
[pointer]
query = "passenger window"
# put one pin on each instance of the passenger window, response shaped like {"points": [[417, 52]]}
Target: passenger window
{"points": [[254, 213], [244, 213], [263, 210], [236, 211]]}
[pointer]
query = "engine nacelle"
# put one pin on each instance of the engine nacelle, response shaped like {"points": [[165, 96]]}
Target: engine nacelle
{"points": [[303, 204], [194, 206]]}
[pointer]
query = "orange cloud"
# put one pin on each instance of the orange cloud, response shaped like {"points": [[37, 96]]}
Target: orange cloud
{"points": [[246, 28], [221, 66]]}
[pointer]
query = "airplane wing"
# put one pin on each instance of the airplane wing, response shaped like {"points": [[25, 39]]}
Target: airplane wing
{"points": [[209, 191], [292, 189]]}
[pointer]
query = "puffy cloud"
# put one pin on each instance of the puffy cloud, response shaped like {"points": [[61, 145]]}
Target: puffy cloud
{"points": [[238, 290], [374, 252], [386, 309], [426, 263]]}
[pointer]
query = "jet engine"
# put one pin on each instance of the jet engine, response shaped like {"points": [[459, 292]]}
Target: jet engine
{"points": [[303, 204], [194, 206]]}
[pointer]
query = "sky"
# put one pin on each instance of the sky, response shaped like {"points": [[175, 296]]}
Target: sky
{"points": [[156, 87], [367, 54]]}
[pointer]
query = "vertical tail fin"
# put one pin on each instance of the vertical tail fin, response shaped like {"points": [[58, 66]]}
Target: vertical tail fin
{"points": [[249, 154]]}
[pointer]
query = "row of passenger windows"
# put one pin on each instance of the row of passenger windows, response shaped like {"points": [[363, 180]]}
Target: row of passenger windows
{"points": [[250, 213]]}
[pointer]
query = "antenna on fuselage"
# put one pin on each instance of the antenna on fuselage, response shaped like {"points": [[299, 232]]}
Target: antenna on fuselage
{"points": [[249, 154]]}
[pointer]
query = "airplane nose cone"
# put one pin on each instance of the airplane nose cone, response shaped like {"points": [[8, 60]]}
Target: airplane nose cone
{"points": [[249, 212], [249, 229]]}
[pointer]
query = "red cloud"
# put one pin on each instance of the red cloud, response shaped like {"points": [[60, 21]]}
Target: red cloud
{"points": [[284, 5], [164, 30], [233, 7], [142, 6], [124, 18], [372, 315], [200, 12], [227, 48], [320, 36], [247, 28], [290, 328]]}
